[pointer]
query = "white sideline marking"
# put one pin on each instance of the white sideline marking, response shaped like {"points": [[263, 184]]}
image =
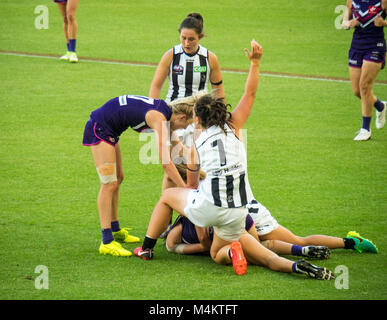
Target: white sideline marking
{"points": [[154, 66]]}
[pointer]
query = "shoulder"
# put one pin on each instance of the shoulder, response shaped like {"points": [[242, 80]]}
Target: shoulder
{"points": [[213, 59], [167, 57]]}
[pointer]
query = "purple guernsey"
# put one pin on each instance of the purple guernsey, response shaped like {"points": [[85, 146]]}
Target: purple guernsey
{"points": [[115, 116]]}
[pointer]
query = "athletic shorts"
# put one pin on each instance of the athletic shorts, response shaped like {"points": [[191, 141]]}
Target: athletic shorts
{"points": [[95, 133], [229, 223], [356, 57], [263, 220], [60, 1]]}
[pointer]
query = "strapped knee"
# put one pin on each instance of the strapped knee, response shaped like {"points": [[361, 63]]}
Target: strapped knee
{"points": [[107, 173]]}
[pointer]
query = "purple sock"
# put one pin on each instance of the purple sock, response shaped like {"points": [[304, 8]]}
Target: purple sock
{"points": [[366, 123], [68, 46], [294, 267], [115, 226], [379, 105], [107, 236], [296, 250], [72, 44]]}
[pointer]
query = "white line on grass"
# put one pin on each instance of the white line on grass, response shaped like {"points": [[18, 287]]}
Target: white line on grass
{"points": [[127, 63]]}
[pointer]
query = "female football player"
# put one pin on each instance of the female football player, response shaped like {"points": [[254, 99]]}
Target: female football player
{"points": [[68, 10], [366, 57], [222, 196], [188, 65], [102, 133]]}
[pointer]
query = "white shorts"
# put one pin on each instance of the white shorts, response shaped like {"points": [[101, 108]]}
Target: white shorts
{"points": [[229, 223], [263, 220]]}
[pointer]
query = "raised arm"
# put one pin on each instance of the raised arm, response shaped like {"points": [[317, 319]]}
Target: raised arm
{"points": [[243, 109], [160, 75]]}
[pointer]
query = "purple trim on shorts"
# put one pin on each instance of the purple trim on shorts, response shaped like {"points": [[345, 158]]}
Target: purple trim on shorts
{"points": [[60, 1]]}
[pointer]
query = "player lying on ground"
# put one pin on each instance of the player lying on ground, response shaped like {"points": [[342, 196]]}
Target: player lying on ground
{"points": [[267, 230], [214, 203], [185, 238]]}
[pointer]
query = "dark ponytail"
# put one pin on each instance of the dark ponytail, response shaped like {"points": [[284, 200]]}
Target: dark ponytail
{"points": [[193, 21], [212, 112]]}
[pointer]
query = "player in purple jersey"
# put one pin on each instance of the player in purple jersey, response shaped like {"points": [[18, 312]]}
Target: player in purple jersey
{"points": [[102, 132], [366, 57], [68, 9]]}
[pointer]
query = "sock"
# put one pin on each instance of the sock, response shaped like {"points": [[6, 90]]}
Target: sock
{"points": [[115, 226], [366, 123], [296, 250], [379, 105], [229, 253], [148, 243], [72, 44], [68, 46], [349, 243], [107, 236], [294, 267]]}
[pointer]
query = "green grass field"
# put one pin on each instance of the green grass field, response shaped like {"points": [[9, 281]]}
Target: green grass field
{"points": [[303, 164]]}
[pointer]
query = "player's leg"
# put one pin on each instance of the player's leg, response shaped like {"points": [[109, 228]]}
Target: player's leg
{"points": [[368, 75], [259, 255], [174, 237], [172, 199], [121, 235], [62, 9], [283, 234], [71, 9], [104, 156], [166, 184]]}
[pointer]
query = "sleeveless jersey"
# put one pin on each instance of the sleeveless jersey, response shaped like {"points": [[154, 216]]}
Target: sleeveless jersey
{"points": [[223, 159], [188, 73], [128, 111], [367, 35]]}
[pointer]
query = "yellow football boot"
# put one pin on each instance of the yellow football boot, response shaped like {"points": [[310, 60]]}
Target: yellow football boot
{"points": [[124, 236], [115, 249]]}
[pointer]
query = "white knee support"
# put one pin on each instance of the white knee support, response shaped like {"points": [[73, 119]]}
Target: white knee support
{"points": [[107, 173], [177, 248]]}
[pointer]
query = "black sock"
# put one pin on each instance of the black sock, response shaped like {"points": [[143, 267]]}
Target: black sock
{"points": [[149, 243], [349, 243]]}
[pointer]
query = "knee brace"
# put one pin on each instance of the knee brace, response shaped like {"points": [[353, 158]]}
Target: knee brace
{"points": [[107, 173]]}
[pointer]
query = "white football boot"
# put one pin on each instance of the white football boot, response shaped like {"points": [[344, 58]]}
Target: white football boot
{"points": [[380, 120], [363, 135]]}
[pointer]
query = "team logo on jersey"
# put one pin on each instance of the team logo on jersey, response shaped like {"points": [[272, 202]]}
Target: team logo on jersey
{"points": [[178, 69], [372, 9], [112, 140], [200, 69]]}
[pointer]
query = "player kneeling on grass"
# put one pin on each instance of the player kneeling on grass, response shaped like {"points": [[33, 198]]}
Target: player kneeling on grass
{"points": [[102, 133], [220, 201]]}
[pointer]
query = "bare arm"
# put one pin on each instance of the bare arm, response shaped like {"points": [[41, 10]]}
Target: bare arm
{"points": [[243, 109], [379, 21], [157, 122], [348, 22], [193, 169], [160, 75], [216, 77]]}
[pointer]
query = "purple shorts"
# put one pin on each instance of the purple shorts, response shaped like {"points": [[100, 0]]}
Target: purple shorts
{"points": [[60, 1], [355, 57], [95, 133]]}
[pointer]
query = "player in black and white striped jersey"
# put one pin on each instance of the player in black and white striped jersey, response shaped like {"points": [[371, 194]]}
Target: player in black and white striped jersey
{"points": [[189, 66], [221, 197]]}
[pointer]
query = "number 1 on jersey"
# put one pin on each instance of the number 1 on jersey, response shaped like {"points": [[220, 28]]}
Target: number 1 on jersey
{"points": [[222, 153]]}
